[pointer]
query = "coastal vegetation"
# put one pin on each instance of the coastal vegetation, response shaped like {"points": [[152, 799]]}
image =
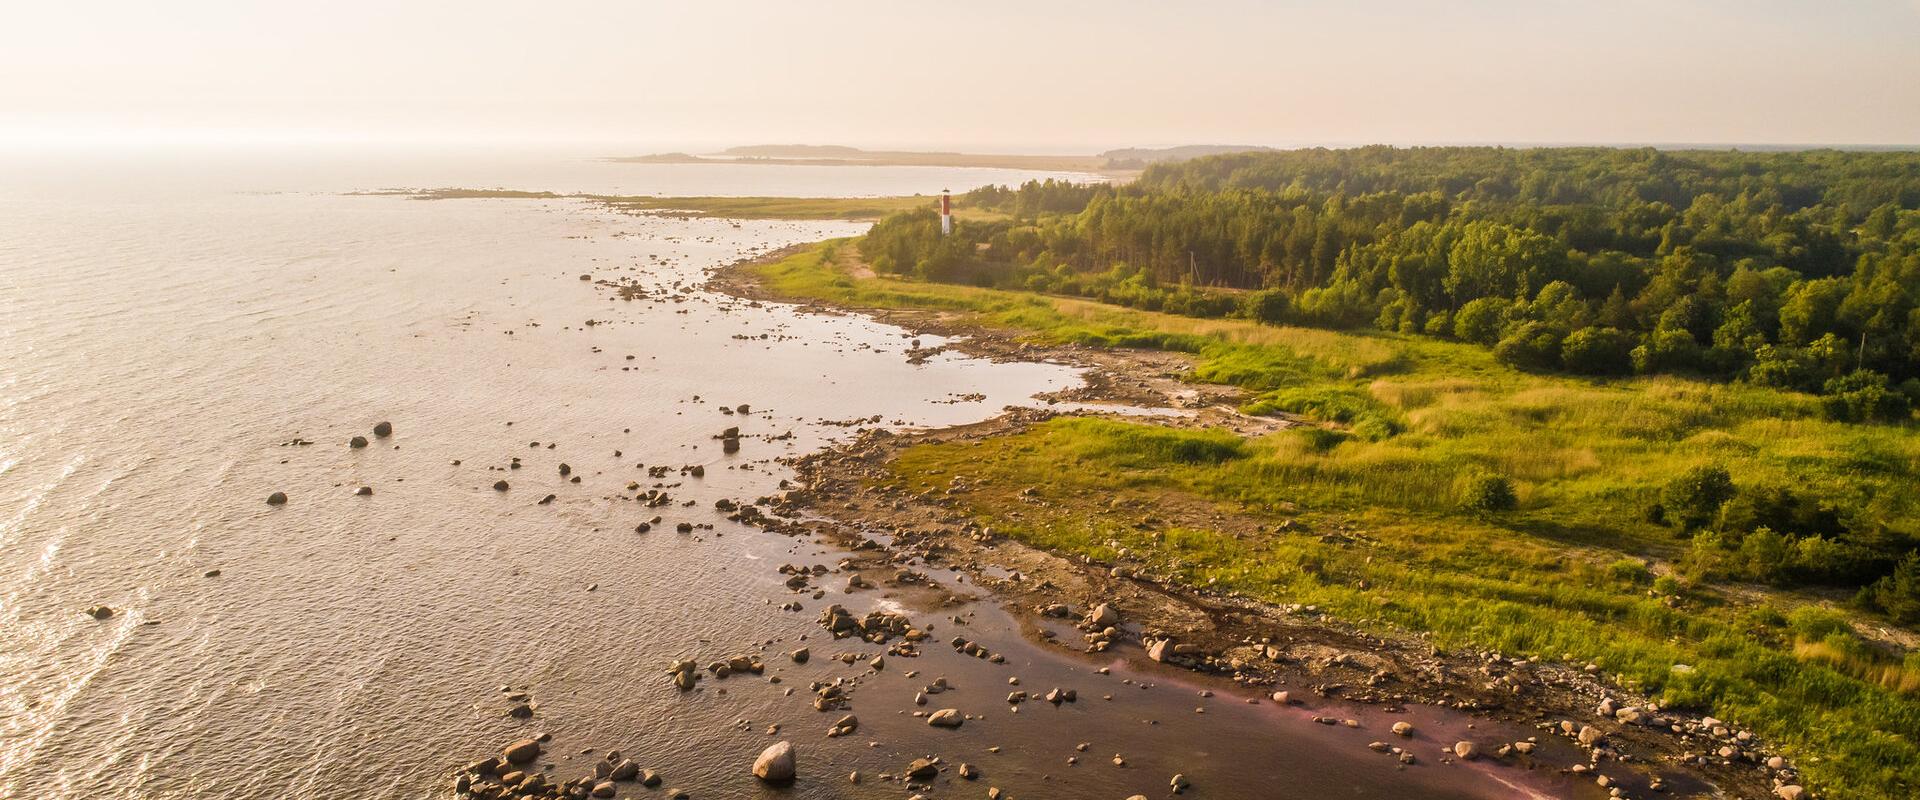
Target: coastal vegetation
{"points": [[1794, 270], [1727, 546]]}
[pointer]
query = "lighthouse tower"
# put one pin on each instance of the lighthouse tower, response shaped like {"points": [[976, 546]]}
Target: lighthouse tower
{"points": [[946, 213]]}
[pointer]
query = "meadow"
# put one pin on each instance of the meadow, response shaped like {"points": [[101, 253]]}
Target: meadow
{"points": [[1366, 511]]}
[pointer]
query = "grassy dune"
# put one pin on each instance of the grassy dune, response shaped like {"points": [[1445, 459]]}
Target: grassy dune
{"points": [[1363, 514]]}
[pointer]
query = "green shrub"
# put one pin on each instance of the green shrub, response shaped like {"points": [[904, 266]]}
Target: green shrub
{"points": [[1491, 494], [1481, 320], [1629, 570], [1268, 305], [1694, 499], [1598, 351], [1534, 346], [1897, 595], [1863, 396]]}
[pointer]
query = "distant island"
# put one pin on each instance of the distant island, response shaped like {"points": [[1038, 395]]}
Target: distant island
{"points": [[1121, 163], [1140, 157]]}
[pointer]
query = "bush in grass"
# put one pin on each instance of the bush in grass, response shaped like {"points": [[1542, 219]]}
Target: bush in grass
{"points": [[1897, 595], [1491, 494], [1863, 396], [1534, 345], [1629, 570], [1480, 320], [1270, 306], [1693, 499], [1598, 351]]}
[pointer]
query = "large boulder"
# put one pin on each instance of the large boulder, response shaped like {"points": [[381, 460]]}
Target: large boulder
{"points": [[521, 752], [776, 763], [946, 718], [1103, 616]]}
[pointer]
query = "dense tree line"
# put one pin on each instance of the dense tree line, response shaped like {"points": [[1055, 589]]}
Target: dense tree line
{"points": [[1791, 269]]}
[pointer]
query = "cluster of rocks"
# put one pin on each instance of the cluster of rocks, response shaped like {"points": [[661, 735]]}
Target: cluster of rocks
{"points": [[520, 703], [512, 774], [965, 646], [739, 512], [878, 627]]}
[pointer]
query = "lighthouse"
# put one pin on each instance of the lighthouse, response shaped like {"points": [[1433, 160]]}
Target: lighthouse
{"points": [[946, 213]]}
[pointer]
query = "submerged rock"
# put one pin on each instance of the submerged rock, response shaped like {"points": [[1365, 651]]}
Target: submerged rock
{"points": [[277, 499], [99, 612], [383, 429], [357, 442]]}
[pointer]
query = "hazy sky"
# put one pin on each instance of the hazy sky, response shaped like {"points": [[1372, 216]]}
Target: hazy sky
{"points": [[638, 74]]}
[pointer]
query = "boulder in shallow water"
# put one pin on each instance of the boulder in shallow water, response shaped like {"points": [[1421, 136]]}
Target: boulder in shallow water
{"points": [[383, 429], [277, 499], [100, 612], [946, 718], [521, 752], [1466, 751], [776, 763], [357, 442], [364, 491], [499, 486]]}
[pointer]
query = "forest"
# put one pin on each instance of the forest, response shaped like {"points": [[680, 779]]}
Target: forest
{"points": [[1798, 270]]}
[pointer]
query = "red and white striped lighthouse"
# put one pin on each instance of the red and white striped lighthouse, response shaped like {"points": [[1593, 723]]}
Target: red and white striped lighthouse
{"points": [[946, 213]]}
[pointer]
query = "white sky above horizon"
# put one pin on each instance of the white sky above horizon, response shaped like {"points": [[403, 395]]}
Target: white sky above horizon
{"points": [[982, 75]]}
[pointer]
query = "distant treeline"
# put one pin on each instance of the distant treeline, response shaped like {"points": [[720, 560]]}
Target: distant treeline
{"points": [[1792, 269]]}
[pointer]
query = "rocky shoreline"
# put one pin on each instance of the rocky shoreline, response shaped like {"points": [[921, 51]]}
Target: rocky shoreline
{"points": [[1285, 653], [921, 553]]}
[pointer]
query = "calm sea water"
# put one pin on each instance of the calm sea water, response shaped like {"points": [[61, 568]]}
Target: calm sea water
{"points": [[170, 325]]}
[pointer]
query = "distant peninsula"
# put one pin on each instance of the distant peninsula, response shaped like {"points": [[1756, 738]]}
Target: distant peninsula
{"points": [[1122, 163]]}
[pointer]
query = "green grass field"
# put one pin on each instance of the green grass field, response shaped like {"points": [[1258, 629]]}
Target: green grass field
{"points": [[1406, 426]]}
